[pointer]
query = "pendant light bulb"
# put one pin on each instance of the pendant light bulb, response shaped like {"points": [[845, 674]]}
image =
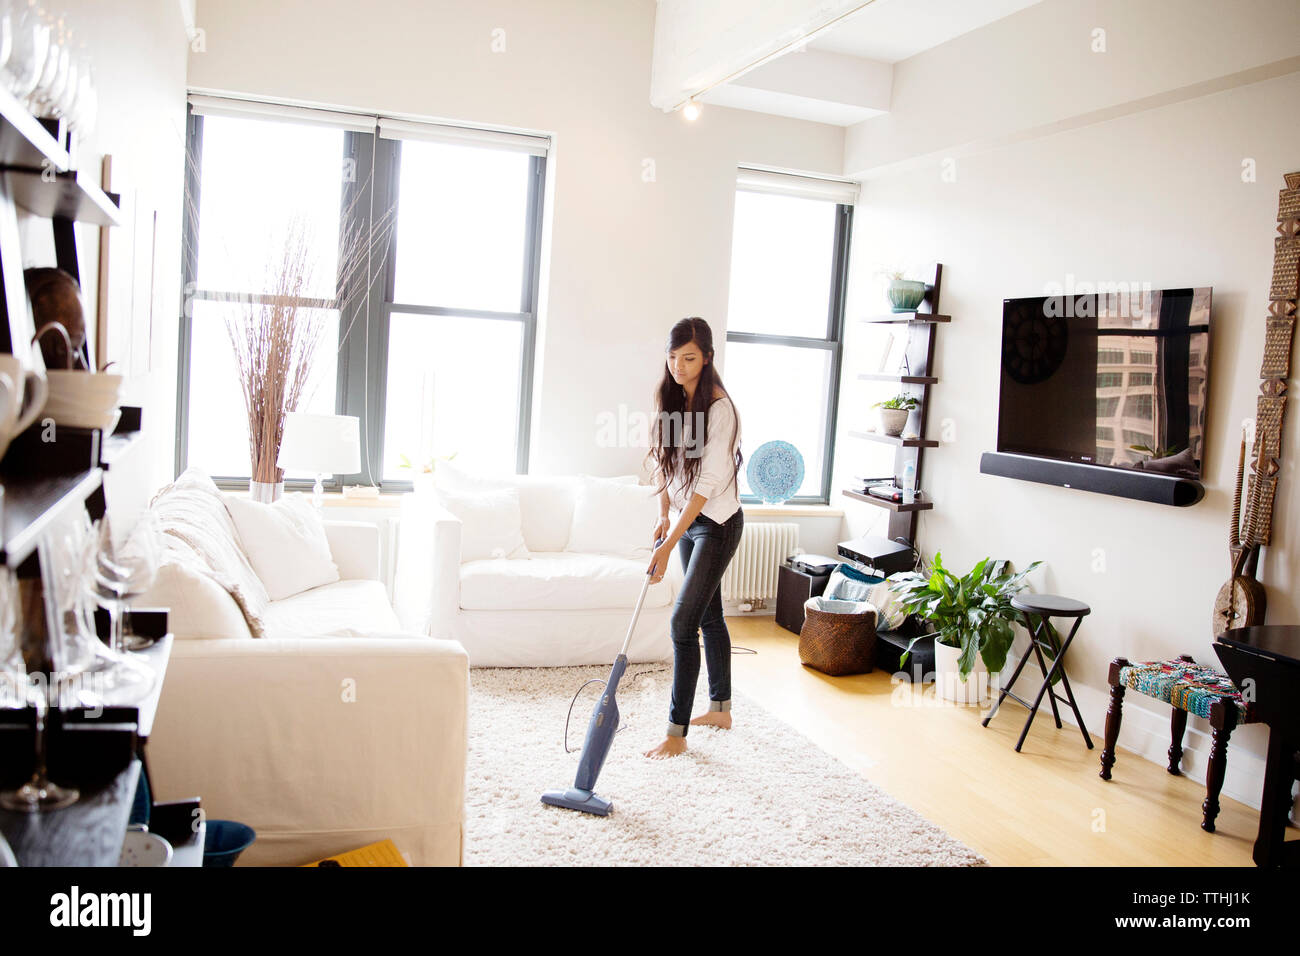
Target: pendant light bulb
{"points": [[691, 110]]}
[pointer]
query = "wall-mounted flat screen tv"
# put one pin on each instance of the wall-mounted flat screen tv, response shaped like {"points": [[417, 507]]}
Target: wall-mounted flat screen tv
{"points": [[1117, 380]]}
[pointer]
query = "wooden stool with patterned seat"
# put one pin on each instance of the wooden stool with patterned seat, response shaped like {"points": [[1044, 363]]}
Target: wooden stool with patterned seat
{"points": [[1190, 688]]}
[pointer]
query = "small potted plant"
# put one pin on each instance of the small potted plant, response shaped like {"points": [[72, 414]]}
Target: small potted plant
{"points": [[422, 477], [894, 412], [971, 616], [904, 294]]}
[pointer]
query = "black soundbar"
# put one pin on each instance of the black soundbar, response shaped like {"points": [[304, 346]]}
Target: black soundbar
{"points": [[1121, 482]]}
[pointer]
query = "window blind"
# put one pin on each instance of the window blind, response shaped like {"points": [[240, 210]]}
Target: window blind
{"points": [[463, 136], [752, 179], [389, 127], [206, 105]]}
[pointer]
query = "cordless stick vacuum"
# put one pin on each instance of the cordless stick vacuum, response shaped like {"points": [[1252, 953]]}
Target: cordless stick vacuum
{"points": [[600, 734]]}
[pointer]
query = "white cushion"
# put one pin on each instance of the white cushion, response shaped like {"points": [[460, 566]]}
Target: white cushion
{"points": [[285, 543], [198, 608], [198, 529], [545, 501], [354, 608], [490, 523], [611, 517], [560, 580]]}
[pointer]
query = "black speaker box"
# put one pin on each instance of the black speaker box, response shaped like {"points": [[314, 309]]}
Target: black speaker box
{"points": [[1121, 482]]}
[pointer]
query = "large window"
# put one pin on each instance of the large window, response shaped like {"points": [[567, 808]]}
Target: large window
{"points": [[246, 211], [785, 318], [430, 339]]}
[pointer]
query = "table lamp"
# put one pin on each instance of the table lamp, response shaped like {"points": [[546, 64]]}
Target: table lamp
{"points": [[323, 444]]}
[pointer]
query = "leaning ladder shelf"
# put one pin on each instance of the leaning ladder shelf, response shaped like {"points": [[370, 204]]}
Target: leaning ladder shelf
{"points": [[920, 363]]}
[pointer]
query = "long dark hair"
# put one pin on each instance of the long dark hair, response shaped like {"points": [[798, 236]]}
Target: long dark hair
{"points": [[667, 449]]}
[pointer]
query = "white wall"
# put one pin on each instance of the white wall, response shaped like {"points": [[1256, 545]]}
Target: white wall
{"points": [[1153, 195], [626, 257], [1062, 63]]}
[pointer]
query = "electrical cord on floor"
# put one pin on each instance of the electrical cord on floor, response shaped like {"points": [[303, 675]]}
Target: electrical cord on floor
{"points": [[597, 680]]}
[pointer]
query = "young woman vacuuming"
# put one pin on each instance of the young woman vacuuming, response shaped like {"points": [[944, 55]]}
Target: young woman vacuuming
{"points": [[696, 452]]}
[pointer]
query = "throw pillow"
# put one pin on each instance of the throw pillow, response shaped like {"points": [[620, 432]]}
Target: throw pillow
{"points": [[198, 608], [848, 583], [612, 516], [197, 526], [889, 606], [285, 543], [491, 524]]}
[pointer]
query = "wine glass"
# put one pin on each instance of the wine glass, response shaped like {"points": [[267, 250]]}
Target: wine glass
{"points": [[54, 71], [105, 677], [125, 568], [39, 794], [13, 671], [30, 46]]}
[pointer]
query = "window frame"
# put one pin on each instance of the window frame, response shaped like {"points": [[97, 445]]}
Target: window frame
{"points": [[833, 343], [362, 359]]}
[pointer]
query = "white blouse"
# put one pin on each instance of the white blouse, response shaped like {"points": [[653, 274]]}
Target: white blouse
{"points": [[716, 480]]}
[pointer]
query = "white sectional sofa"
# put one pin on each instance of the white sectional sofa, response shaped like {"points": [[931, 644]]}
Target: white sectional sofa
{"points": [[554, 607], [332, 730]]}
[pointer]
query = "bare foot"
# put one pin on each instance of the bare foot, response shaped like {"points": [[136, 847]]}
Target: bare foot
{"points": [[713, 718], [671, 747]]}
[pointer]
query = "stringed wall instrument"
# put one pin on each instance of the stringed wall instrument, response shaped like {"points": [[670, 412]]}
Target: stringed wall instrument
{"points": [[1241, 602]]}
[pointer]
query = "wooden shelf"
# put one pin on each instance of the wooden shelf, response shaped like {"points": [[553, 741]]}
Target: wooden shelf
{"points": [[68, 195], [895, 440], [156, 656], [24, 142], [40, 174], [902, 379], [88, 833], [895, 317], [33, 505], [116, 446], [920, 504]]}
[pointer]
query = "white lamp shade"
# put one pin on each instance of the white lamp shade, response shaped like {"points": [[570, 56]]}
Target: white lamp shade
{"points": [[321, 444]]}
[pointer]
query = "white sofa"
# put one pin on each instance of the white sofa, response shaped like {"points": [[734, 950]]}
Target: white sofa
{"points": [[334, 730], [553, 608]]}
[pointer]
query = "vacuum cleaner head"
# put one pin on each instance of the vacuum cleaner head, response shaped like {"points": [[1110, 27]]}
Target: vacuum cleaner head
{"points": [[575, 799], [600, 734]]}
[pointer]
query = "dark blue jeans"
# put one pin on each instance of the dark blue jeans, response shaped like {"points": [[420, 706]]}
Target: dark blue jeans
{"points": [[706, 549]]}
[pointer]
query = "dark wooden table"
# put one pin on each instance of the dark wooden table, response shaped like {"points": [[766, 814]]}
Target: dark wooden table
{"points": [[88, 833], [1264, 663]]}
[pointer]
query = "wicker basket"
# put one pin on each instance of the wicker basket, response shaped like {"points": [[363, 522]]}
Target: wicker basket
{"points": [[838, 643]]}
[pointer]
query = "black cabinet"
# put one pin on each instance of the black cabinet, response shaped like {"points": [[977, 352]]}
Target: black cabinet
{"points": [[792, 589]]}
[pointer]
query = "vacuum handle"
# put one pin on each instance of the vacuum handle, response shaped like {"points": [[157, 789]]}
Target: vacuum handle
{"points": [[636, 613]]}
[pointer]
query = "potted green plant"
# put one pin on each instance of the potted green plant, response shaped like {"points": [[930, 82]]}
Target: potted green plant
{"points": [[904, 294], [894, 412], [971, 616], [422, 477]]}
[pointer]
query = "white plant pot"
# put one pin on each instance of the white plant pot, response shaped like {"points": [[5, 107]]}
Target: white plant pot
{"points": [[948, 684], [265, 491], [893, 421], [423, 483]]}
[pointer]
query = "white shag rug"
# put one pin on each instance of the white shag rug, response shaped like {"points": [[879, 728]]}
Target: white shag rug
{"points": [[760, 794]]}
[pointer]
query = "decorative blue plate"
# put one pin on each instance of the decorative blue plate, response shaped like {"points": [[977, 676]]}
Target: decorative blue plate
{"points": [[775, 471]]}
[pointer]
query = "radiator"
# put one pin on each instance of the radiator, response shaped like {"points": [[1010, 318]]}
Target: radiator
{"points": [[751, 576]]}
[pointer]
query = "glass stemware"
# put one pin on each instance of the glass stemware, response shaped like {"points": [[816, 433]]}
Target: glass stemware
{"points": [[106, 677], [38, 794], [54, 71], [28, 51], [124, 568]]}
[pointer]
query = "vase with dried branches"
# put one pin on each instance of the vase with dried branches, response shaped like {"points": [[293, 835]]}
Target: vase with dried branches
{"points": [[275, 342], [276, 336]]}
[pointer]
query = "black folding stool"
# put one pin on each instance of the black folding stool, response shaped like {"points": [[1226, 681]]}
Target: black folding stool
{"points": [[1045, 606]]}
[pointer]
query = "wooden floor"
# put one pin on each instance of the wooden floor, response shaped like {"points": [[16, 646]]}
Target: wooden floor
{"points": [[1044, 806]]}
